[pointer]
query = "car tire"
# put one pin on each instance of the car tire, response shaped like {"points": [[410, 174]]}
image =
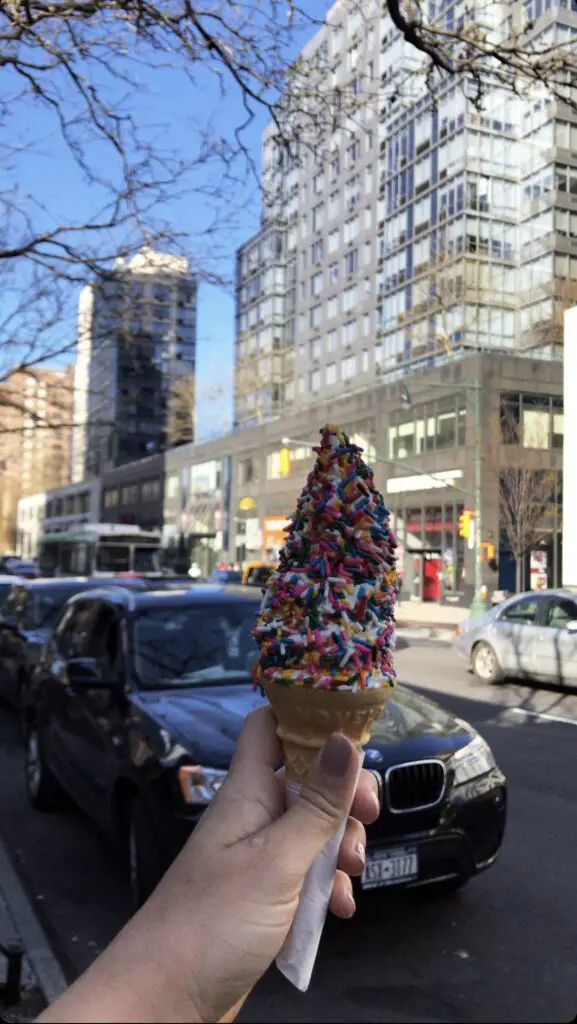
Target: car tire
{"points": [[485, 664], [44, 791], [144, 866]]}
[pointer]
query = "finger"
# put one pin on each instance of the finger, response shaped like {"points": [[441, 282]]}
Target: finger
{"points": [[258, 748], [342, 902], [322, 805], [251, 798], [352, 848], [366, 805]]}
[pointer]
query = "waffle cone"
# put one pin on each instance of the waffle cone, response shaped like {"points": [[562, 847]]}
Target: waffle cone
{"points": [[306, 718]]}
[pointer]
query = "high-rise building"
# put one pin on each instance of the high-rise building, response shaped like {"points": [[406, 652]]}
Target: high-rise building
{"points": [[134, 382], [35, 439], [418, 226]]}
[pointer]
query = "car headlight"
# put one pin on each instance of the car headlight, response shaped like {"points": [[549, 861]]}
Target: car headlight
{"points": [[199, 784], [472, 761]]}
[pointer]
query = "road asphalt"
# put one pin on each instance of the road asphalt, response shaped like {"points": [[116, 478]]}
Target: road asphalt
{"points": [[504, 950]]}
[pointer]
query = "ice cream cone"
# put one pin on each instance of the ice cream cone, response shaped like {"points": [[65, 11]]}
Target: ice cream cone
{"points": [[306, 718]]}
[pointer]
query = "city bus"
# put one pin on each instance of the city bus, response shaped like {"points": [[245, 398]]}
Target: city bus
{"points": [[100, 549]]}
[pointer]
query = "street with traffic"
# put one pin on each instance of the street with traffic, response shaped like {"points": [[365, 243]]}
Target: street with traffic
{"points": [[500, 949]]}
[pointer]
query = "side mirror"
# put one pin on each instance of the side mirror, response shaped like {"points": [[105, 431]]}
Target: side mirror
{"points": [[85, 673], [571, 627]]}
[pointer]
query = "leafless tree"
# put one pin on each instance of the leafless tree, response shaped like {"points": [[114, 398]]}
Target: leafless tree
{"points": [[487, 44], [527, 493], [526, 500], [78, 103]]}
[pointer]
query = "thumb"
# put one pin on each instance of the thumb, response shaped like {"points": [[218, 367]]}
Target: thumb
{"points": [[322, 805]]}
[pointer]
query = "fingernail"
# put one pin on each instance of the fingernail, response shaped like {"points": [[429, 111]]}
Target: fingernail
{"points": [[360, 852], [336, 756]]}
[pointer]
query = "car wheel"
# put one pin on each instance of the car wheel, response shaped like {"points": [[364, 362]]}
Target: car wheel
{"points": [[485, 664], [144, 868], [43, 789]]}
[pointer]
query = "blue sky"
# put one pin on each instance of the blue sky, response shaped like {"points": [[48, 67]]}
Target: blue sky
{"points": [[173, 110]]}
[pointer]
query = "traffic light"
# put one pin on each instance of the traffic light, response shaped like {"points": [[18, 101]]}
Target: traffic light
{"points": [[285, 462], [465, 520]]}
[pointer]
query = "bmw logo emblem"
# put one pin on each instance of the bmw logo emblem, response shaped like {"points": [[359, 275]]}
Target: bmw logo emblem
{"points": [[373, 755]]}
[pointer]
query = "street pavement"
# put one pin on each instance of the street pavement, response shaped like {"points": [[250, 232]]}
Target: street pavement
{"points": [[503, 950]]}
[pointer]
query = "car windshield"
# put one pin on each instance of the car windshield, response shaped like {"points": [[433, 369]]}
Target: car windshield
{"points": [[145, 560], [186, 646], [45, 605], [225, 576], [113, 558]]}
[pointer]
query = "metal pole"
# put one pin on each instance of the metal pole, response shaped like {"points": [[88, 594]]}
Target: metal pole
{"points": [[478, 603]]}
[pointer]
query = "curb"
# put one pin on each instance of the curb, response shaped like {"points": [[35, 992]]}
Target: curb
{"points": [[442, 634], [38, 952]]}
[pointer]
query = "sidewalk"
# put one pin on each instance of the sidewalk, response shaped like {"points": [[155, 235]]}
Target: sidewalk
{"points": [[425, 618], [42, 977]]}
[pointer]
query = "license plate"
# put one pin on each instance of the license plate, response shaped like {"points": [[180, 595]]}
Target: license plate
{"points": [[390, 867]]}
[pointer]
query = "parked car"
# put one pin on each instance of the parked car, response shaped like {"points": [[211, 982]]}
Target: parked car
{"points": [[27, 615], [530, 636], [225, 576], [15, 566], [7, 581], [135, 708], [256, 574]]}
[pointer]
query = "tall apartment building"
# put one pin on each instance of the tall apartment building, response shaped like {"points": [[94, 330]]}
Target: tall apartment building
{"points": [[35, 439], [134, 383], [415, 230]]}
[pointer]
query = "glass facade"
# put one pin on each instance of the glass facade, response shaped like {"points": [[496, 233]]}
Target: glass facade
{"points": [[429, 427]]}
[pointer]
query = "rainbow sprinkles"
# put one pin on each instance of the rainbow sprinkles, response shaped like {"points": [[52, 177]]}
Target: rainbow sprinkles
{"points": [[327, 617]]}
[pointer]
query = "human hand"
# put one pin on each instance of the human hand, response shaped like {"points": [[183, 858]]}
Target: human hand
{"points": [[223, 910], [225, 907]]}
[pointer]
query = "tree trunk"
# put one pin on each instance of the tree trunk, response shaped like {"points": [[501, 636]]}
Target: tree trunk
{"points": [[518, 572]]}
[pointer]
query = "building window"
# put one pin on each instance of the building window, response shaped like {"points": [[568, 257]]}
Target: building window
{"points": [[317, 250], [557, 432], [365, 360], [332, 307], [172, 486], [350, 332], [331, 374], [349, 298], [348, 367], [333, 273], [332, 340], [314, 380], [351, 229], [111, 497], [315, 348], [317, 284], [150, 490], [436, 426], [318, 216], [533, 421], [315, 315], [334, 240], [536, 422], [351, 261]]}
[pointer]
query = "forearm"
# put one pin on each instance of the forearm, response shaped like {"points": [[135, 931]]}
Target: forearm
{"points": [[130, 984]]}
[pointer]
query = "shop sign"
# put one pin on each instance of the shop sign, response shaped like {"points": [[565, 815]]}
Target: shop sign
{"points": [[274, 528]]}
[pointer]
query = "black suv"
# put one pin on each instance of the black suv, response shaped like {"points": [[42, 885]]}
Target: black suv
{"points": [[136, 706]]}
